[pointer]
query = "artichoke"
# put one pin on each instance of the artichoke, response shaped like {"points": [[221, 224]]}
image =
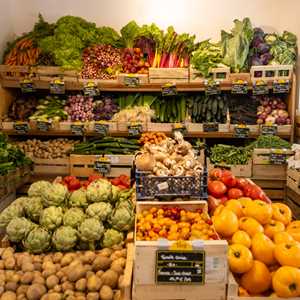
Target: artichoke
{"points": [[112, 237], [38, 188], [21, 201], [78, 198], [73, 217], [51, 217], [101, 210], [18, 228], [122, 219], [10, 212], [64, 238], [37, 240], [115, 193], [54, 195], [33, 208], [91, 230], [99, 191]]}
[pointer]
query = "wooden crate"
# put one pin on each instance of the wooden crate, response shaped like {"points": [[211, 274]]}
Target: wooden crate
{"points": [[239, 76], [8, 72], [159, 127], [271, 72], [253, 129], [218, 74], [123, 126], [198, 127], [261, 156], [168, 75], [83, 165], [293, 201], [48, 73], [237, 170], [142, 78], [57, 166], [144, 269], [275, 189]]}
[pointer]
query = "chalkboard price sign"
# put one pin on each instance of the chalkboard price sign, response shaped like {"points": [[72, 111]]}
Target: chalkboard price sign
{"points": [[169, 90], [179, 127], [21, 127], [101, 129], [77, 129], [90, 89], [268, 129], [239, 87], [135, 129], [27, 86], [241, 132], [57, 86], [277, 158], [102, 165], [180, 267], [131, 81], [281, 86], [43, 126], [210, 127], [212, 88], [260, 87]]}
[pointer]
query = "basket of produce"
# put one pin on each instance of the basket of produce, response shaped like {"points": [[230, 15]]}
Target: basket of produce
{"points": [[169, 168]]}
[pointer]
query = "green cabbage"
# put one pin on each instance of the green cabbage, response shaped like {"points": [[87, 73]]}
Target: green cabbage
{"points": [[99, 191]]}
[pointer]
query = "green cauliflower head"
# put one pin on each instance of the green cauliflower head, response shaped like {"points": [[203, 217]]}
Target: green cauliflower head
{"points": [[101, 210], [91, 230], [18, 228], [64, 238], [73, 217], [37, 188], [112, 237], [10, 212], [99, 191], [78, 198], [33, 208], [51, 217], [38, 240], [122, 219], [54, 195]]}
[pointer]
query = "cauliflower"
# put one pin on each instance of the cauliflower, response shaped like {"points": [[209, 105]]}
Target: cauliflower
{"points": [[54, 195], [99, 191], [101, 210], [112, 237]]}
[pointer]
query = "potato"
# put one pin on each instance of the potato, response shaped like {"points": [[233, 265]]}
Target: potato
{"points": [[101, 263], [110, 278], [92, 296], [27, 267], [94, 283], [1, 264], [38, 279], [120, 282], [75, 263], [9, 274], [9, 263], [100, 273], [15, 278], [89, 274], [71, 297], [37, 266], [48, 272], [57, 257], [37, 259], [1, 288], [74, 274], [57, 288], [27, 278], [80, 285], [52, 296], [22, 289], [51, 281], [64, 279], [117, 295], [36, 291], [88, 268], [88, 257], [58, 267], [67, 259], [67, 286], [106, 293], [69, 293], [106, 252], [11, 286], [8, 252], [117, 268], [8, 296], [60, 274], [21, 297], [80, 297]]}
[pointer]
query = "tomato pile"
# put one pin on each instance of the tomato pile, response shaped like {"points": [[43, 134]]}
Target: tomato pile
{"points": [[223, 186]]}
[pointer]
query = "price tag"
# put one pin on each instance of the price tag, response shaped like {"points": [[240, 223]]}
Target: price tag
{"points": [[21, 127], [77, 129], [241, 131], [260, 87], [169, 90], [43, 125], [212, 87], [135, 129], [268, 129], [57, 86], [180, 267], [90, 89], [281, 86], [131, 80], [239, 87], [163, 186], [210, 127], [103, 165], [27, 86], [278, 157], [101, 128], [179, 127]]}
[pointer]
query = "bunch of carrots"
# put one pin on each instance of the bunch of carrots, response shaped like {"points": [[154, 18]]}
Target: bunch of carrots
{"points": [[152, 137], [23, 53]]}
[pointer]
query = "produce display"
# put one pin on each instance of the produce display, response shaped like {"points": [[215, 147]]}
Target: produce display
{"points": [[140, 114], [51, 149], [170, 157], [107, 145], [174, 223], [105, 108], [80, 108], [270, 142], [152, 137], [71, 275], [272, 110], [51, 218]]}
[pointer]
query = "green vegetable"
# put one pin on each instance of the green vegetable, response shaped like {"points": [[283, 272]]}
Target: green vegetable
{"points": [[122, 219], [91, 230], [78, 198], [37, 188], [129, 34], [18, 228], [112, 237], [99, 191], [73, 217], [37, 240], [51, 217], [10, 212], [33, 207], [101, 210], [270, 141], [54, 195], [64, 238]]}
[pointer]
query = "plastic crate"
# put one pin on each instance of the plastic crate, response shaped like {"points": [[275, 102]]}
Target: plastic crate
{"points": [[149, 187]]}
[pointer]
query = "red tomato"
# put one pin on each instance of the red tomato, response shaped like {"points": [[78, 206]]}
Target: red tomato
{"points": [[256, 193], [247, 189], [217, 188], [241, 183], [223, 199], [94, 177], [85, 183], [74, 184], [229, 180], [115, 181], [125, 180], [235, 193], [216, 173], [69, 178], [227, 173], [122, 187]]}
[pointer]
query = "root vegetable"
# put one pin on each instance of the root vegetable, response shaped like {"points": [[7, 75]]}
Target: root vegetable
{"points": [[22, 289], [9, 263], [80, 284], [106, 252], [67, 286], [117, 295], [52, 281], [37, 266], [1, 265], [36, 291], [89, 274], [27, 267], [52, 296], [11, 286], [94, 283], [120, 282], [8, 296], [101, 263], [88, 257], [8, 252], [57, 257], [106, 293], [27, 278], [110, 278], [38, 279], [74, 274], [92, 296]]}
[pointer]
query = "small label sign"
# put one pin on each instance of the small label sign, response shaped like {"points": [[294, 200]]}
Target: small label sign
{"points": [[210, 127], [212, 88], [77, 129], [239, 87], [281, 86], [21, 127], [241, 132], [102, 165], [180, 267], [169, 90], [43, 125], [260, 87], [268, 129], [57, 87], [101, 128], [278, 157], [90, 89], [131, 81], [27, 86], [179, 127], [135, 129]]}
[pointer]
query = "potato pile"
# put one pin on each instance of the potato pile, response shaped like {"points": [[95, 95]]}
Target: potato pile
{"points": [[56, 148], [85, 275]]}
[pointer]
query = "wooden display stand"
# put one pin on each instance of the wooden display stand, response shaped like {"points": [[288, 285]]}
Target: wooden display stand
{"points": [[168, 75]]}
